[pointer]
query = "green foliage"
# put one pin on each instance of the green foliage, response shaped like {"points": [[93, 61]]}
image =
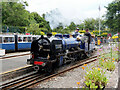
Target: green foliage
{"points": [[95, 78], [41, 21], [11, 29], [72, 26], [22, 29], [93, 24], [113, 15], [34, 29], [15, 14], [107, 60], [62, 30], [107, 64]]}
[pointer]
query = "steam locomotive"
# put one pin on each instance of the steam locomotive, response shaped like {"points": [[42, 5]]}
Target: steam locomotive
{"points": [[50, 52]]}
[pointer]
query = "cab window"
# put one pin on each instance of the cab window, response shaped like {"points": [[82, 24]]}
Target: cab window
{"points": [[25, 39]]}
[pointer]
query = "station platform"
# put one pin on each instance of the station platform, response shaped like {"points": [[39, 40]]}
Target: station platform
{"points": [[12, 63]]}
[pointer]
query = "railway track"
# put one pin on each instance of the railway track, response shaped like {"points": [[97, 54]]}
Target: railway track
{"points": [[21, 81], [34, 79]]}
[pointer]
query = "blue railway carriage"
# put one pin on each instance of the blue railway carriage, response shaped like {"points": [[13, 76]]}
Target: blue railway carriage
{"points": [[17, 42], [7, 42], [24, 41]]}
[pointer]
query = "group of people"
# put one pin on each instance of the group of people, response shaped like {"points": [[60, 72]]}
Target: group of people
{"points": [[76, 33], [87, 33]]}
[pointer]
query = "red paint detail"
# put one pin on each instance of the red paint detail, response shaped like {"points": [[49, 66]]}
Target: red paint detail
{"points": [[38, 63], [32, 56]]}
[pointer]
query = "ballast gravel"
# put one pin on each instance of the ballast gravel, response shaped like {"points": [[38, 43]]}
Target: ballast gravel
{"points": [[70, 79]]}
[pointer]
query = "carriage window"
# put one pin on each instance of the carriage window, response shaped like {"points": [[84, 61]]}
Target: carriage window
{"points": [[29, 39], [10, 39], [20, 39], [0, 39], [5, 39], [34, 38], [24, 39]]}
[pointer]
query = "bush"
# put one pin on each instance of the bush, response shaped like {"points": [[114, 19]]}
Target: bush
{"points": [[95, 78], [109, 65]]}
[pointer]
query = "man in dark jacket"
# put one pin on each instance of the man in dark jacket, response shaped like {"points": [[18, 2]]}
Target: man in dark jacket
{"points": [[87, 33]]}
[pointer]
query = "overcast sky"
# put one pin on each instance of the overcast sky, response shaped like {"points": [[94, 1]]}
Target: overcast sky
{"points": [[70, 9]]}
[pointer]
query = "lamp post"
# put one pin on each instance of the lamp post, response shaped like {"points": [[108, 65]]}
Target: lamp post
{"points": [[99, 19]]}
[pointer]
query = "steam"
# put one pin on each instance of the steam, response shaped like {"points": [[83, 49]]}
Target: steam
{"points": [[55, 17]]}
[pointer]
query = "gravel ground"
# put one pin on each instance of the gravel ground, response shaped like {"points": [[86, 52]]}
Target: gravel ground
{"points": [[70, 79]]}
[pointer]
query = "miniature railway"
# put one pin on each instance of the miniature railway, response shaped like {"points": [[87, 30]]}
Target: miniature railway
{"points": [[33, 79]]}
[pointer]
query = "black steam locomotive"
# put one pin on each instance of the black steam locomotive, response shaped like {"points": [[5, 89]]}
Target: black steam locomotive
{"points": [[54, 51]]}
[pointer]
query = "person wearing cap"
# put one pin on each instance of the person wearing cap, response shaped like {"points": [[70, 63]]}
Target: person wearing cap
{"points": [[76, 33], [87, 33]]}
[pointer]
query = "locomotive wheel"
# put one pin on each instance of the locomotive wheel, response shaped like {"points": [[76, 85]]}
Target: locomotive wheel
{"points": [[82, 55], [49, 69], [88, 54]]}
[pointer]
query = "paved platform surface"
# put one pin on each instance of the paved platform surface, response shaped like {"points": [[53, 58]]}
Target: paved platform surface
{"points": [[9, 64]]}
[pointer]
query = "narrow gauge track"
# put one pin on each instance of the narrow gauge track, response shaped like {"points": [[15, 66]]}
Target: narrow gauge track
{"points": [[31, 80], [4, 57], [21, 81]]}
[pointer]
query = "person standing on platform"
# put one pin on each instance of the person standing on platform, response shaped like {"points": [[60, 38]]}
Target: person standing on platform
{"points": [[87, 33]]}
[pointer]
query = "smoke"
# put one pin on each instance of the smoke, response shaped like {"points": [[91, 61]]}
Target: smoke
{"points": [[55, 17]]}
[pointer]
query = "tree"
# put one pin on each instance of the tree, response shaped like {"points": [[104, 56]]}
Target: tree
{"points": [[14, 14], [41, 21], [113, 16], [34, 29], [72, 26]]}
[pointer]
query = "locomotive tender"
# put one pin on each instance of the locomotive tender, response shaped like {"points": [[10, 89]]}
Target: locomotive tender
{"points": [[50, 52]]}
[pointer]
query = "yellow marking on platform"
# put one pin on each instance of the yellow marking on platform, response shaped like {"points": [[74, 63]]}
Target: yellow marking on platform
{"points": [[15, 69]]}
